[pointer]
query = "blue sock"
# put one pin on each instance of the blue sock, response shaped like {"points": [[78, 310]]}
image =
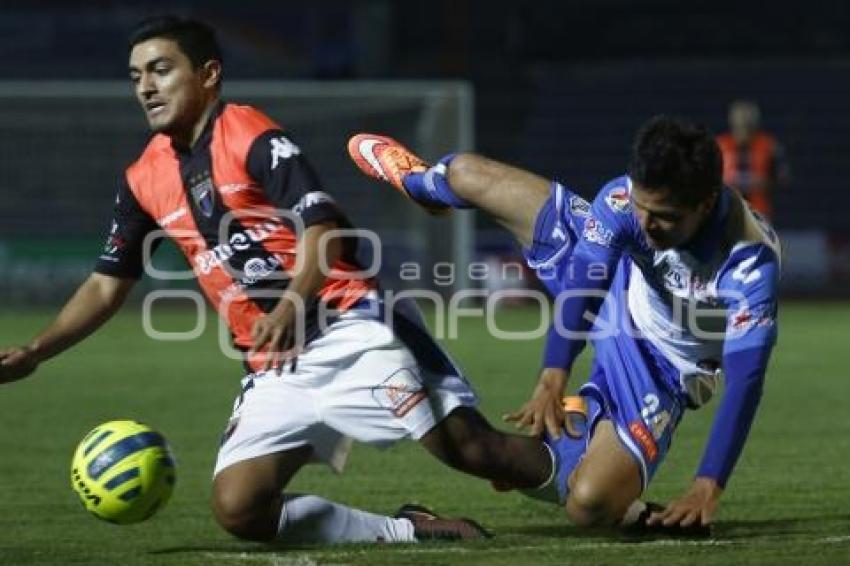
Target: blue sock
{"points": [[566, 451], [432, 187]]}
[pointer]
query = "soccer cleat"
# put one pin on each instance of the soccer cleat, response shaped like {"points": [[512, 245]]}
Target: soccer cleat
{"points": [[640, 528], [430, 526], [384, 158]]}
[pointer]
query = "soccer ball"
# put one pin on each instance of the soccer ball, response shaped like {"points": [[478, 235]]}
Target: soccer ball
{"points": [[123, 472]]}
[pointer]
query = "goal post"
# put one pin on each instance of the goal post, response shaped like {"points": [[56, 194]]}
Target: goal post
{"points": [[66, 143]]}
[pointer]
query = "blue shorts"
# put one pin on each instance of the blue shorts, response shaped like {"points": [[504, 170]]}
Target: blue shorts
{"points": [[556, 230], [629, 385]]}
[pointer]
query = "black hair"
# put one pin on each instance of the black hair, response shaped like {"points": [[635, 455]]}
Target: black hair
{"points": [[196, 39], [674, 154]]}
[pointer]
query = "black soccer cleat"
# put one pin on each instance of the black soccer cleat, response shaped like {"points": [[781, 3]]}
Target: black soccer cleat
{"points": [[428, 526], [640, 528]]}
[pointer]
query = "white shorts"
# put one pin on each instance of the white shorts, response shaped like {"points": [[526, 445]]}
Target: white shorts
{"points": [[358, 381]]}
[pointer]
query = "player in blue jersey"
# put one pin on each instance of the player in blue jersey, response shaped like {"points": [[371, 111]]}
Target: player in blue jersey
{"points": [[669, 274]]}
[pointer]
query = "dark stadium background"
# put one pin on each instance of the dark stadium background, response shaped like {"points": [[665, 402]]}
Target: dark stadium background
{"points": [[559, 87]]}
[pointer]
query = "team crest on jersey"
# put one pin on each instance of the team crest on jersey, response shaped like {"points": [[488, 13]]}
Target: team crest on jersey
{"points": [[618, 200], [203, 193]]}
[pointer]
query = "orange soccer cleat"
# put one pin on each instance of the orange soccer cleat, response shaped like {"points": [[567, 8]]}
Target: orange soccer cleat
{"points": [[384, 158]]}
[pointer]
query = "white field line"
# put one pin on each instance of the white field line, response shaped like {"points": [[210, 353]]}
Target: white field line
{"points": [[284, 559]]}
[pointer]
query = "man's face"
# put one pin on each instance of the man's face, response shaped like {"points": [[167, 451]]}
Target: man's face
{"points": [[173, 95], [667, 223], [743, 121]]}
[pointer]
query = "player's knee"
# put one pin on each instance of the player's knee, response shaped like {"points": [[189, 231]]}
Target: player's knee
{"points": [[465, 174], [590, 504], [247, 516]]}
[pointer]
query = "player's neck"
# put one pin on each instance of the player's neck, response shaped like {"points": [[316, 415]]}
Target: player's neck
{"points": [[190, 137]]}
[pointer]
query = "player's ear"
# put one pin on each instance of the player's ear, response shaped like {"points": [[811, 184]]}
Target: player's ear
{"points": [[211, 73]]}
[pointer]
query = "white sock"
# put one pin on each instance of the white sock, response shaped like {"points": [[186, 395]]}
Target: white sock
{"points": [[633, 513], [312, 519]]}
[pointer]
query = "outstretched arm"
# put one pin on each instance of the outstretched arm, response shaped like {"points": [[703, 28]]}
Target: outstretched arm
{"points": [[94, 302], [744, 381], [603, 238], [750, 281]]}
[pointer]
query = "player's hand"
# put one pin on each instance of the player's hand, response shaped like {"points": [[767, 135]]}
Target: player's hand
{"points": [[17, 363], [274, 332], [696, 507], [545, 408]]}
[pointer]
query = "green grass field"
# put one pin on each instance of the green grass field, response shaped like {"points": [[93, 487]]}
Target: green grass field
{"points": [[788, 502]]}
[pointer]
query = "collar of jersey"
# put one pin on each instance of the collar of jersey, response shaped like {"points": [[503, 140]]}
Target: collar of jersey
{"points": [[205, 138]]}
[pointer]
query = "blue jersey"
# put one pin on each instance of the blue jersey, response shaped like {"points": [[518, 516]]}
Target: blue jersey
{"points": [[705, 308], [696, 304]]}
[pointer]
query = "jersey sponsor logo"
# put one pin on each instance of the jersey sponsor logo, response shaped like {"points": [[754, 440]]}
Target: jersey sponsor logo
{"points": [[171, 217], [618, 200], [207, 260], [311, 199], [255, 269], [282, 149], [203, 192], [595, 232], [644, 439], [745, 319], [258, 268], [579, 206]]}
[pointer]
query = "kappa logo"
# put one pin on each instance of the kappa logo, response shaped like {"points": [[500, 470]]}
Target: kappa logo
{"points": [[618, 200], [282, 148]]}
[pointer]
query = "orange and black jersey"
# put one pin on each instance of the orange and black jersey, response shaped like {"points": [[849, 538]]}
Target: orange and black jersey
{"points": [[233, 203]]}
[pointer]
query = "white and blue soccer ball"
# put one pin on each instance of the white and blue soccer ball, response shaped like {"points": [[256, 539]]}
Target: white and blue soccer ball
{"points": [[123, 472]]}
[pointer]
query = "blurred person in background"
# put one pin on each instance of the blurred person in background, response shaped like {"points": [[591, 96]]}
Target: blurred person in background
{"points": [[754, 163]]}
